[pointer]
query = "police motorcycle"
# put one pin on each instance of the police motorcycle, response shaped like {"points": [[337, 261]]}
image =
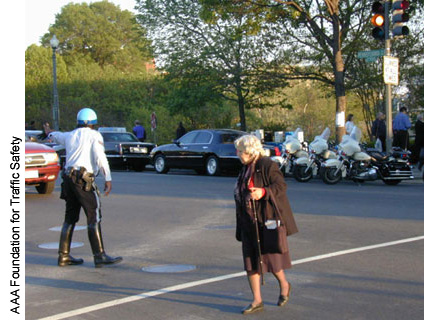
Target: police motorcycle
{"points": [[307, 167], [352, 163], [392, 167], [292, 149]]}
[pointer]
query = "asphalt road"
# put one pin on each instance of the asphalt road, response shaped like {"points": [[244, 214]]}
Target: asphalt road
{"points": [[186, 220]]}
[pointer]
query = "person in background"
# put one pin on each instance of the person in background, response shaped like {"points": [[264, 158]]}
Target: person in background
{"points": [[260, 192], [180, 131], [401, 124], [378, 129], [46, 130], [31, 125], [139, 131], [349, 124], [85, 158]]}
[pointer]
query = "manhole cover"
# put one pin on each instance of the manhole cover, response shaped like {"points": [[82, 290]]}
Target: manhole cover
{"points": [[219, 227], [169, 268], [77, 228], [55, 245]]}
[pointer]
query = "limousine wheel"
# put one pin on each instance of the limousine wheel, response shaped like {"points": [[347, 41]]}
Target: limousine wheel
{"points": [[160, 165], [212, 166]]}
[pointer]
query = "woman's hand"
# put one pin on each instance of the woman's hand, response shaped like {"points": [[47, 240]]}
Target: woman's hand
{"points": [[257, 193]]}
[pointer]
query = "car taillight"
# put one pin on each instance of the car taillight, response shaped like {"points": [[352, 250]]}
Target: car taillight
{"points": [[277, 151]]}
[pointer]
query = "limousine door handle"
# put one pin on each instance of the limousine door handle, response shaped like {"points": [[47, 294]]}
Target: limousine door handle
{"points": [[205, 147]]}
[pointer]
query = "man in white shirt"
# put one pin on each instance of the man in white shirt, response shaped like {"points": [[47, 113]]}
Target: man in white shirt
{"points": [[85, 158]]}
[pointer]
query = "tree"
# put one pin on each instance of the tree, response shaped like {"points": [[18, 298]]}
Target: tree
{"points": [[229, 57], [102, 32], [324, 37]]}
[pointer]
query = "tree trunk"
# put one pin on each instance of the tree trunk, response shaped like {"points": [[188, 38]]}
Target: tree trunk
{"points": [[240, 100]]}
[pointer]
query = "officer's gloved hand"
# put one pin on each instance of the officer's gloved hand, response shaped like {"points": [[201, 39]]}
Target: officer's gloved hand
{"points": [[108, 188]]}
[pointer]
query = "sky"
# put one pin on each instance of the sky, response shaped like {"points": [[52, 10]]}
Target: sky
{"points": [[40, 14]]}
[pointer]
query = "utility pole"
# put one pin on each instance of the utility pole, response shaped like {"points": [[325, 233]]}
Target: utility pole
{"points": [[388, 95]]}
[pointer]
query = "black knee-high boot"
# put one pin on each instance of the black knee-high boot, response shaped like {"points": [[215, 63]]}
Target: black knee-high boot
{"points": [[65, 259], [96, 241]]}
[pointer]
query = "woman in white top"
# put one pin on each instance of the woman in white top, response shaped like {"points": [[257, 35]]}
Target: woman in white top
{"points": [[349, 124]]}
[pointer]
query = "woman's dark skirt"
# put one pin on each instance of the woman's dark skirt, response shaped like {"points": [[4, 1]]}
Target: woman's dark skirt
{"points": [[271, 262]]}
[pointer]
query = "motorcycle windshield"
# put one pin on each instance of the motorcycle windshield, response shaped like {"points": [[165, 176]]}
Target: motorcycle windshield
{"points": [[356, 134], [325, 134], [293, 136]]}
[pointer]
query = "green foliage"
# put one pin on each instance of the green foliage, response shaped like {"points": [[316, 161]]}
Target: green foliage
{"points": [[232, 56], [220, 57], [103, 32]]}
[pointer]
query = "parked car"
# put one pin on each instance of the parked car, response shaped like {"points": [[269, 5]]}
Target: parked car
{"points": [[41, 166], [209, 151], [123, 149]]}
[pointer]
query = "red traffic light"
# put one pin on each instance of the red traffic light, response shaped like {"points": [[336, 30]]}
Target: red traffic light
{"points": [[400, 5], [399, 17], [378, 21]]}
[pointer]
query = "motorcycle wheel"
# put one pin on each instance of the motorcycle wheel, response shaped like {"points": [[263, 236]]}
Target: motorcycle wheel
{"points": [[392, 182], [301, 174], [329, 175]]}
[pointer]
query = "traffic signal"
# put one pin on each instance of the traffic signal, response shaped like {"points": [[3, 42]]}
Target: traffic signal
{"points": [[400, 16], [377, 21]]}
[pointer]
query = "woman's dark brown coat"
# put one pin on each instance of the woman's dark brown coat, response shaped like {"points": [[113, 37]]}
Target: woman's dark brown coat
{"points": [[268, 176]]}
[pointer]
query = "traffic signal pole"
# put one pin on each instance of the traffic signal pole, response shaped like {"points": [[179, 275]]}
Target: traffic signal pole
{"points": [[389, 131]]}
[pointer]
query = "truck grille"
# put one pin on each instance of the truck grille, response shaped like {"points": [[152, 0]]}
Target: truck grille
{"points": [[34, 160]]}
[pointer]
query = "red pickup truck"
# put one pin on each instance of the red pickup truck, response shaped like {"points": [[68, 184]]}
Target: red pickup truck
{"points": [[41, 167]]}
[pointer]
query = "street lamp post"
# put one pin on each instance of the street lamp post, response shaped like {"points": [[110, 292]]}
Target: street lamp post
{"points": [[54, 44]]}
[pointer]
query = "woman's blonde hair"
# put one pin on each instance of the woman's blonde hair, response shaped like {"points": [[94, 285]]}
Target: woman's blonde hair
{"points": [[250, 144]]}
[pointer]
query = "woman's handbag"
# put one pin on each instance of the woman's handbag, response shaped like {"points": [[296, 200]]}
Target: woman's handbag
{"points": [[275, 237], [275, 231]]}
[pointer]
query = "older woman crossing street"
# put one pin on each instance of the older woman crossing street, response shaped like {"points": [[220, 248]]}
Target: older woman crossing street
{"points": [[264, 220]]}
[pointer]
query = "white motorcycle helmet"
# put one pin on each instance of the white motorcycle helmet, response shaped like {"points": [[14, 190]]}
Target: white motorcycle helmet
{"points": [[86, 116]]}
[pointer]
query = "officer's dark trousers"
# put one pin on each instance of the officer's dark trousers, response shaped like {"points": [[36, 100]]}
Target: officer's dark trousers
{"points": [[400, 139], [76, 198]]}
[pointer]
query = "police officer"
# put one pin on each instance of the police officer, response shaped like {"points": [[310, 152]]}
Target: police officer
{"points": [[85, 157]]}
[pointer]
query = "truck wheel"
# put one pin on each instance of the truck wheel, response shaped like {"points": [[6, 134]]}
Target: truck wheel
{"points": [[329, 175], [45, 188], [160, 164]]}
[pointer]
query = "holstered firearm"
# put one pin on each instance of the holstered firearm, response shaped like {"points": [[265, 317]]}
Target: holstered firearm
{"points": [[87, 178], [81, 177]]}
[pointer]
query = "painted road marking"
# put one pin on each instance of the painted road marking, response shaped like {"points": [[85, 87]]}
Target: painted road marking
{"points": [[192, 284]]}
